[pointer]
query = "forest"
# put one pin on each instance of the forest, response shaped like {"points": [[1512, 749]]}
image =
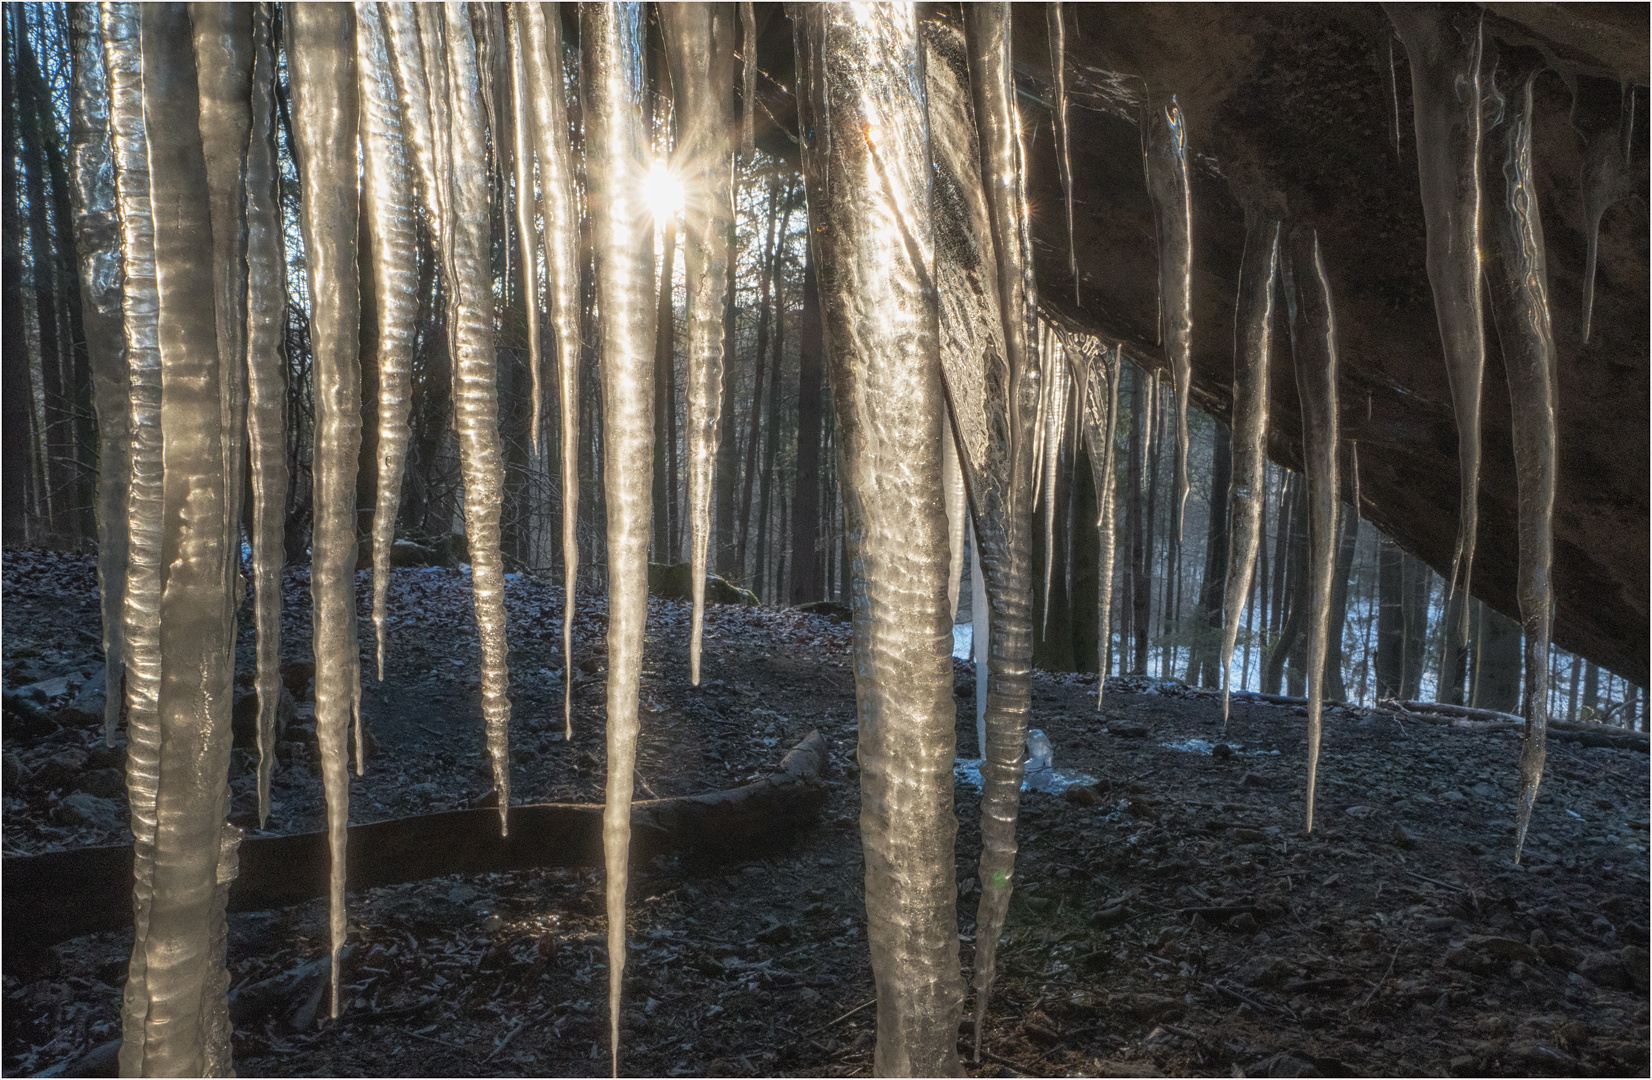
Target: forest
{"points": [[532, 409]]}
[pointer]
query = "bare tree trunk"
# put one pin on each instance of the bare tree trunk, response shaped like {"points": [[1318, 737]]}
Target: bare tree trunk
{"points": [[1497, 660], [1134, 523], [16, 394], [771, 434], [1591, 689], [805, 526], [1203, 666], [1418, 590], [1336, 688], [1453, 654], [765, 312], [1293, 568], [1390, 619]]}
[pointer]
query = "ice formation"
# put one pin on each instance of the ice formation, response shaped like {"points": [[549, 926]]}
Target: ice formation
{"points": [[1444, 47], [870, 190], [617, 162], [1314, 352], [1057, 28], [1517, 280], [1253, 345], [1608, 176], [1173, 214], [1098, 404]]}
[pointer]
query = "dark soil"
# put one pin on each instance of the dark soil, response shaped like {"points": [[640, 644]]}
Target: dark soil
{"points": [[1170, 920]]}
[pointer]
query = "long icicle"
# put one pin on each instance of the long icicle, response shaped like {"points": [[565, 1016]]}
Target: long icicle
{"points": [[559, 212], [870, 214], [1094, 381], [476, 376], [1057, 28], [748, 80], [1519, 288], [1314, 352], [1055, 436], [224, 59], [194, 854], [1608, 176], [1108, 495], [1173, 213], [387, 202], [266, 394], [92, 198], [1444, 48], [617, 152], [987, 36], [140, 310], [403, 40], [1253, 335], [322, 64], [697, 35], [522, 164], [957, 513]]}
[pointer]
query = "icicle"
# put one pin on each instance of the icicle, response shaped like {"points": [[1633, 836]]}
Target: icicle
{"points": [[699, 39], [987, 33], [1519, 287], [1064, 144], [617, 152], [1446, 102], [1314, 352], [1173, 212], [97, 243], [1353, 474], [186, 1023], [322, 66], [957, 513], [1394, 98], [1607, 179], [559, 212], [870, 216], [387, 196], [470, 319], [980, 629], [1055, 437], [140, 309], [1097, 391], [748, 80], [407, 60], [522, 160], [1108, 497], [1254, 318], [266, 393]]}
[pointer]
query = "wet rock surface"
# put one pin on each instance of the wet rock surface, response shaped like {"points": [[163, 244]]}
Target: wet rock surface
{"points": [[1168, 920]]}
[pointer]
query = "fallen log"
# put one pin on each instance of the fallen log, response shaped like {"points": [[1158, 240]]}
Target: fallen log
{"points": [[1600, 736], [1611, 731], [63, 894]]}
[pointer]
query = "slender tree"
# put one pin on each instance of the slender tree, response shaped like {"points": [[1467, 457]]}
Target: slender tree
{"points": [[806, 581]]}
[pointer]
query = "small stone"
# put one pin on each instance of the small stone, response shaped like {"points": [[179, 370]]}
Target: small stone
{"points": [[11, 772], [462, 894], [1244, 922], [88, 702], [1361, 812], [61, 769], [1453, 797], [1538, 939], [1221, 750], [89, 810], [1403, 838], [1251, 780], [1605, 969], [1083, 795], [492, 924], [104, 783]]}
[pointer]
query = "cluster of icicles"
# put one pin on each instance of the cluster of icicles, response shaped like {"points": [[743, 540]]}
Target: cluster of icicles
{"points": [[952, 392]]}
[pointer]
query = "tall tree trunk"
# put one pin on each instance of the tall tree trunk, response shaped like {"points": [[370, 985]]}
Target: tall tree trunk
{"points": [[779, 213], [1497, 659], [16, 392], [1141, 538], [1084, 563], [771, 434], [1591, 690], [665, 401], [1419, 588], [1390, 619], [1293, 567], [1336, 688], [1453, 654], [1204, 666], [805, 525]]}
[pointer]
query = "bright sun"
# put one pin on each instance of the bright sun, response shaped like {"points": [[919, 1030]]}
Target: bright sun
{"points": [[664, 192]]}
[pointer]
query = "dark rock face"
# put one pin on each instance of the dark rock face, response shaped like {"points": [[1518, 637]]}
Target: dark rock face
{"points": [[1290, 113]]}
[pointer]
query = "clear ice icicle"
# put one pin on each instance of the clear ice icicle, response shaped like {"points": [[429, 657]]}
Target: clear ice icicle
{"points": [[1109, 520], [1254, 331], [1097, 395], [1607, 178], [1055, 441], [402, 39], [96, 216], [322, 65], [387, 201], [527, 238], [266, 394], [1314, 353], [748, 80], [617, 163], [870, 217], [1517, 279], [476, 378], [1057, 28], [1173, 213], [1444, 47], [699, 41], [186, 1027], [140, 311], [559, 213], [957, 512]]}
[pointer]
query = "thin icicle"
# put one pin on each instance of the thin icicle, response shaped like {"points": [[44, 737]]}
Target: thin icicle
{"points": [[92, 199], [699, 41], [186, 1026], [1394, 98], [957, 513], [387, 198], [322, 66], [1096, 390], [1056, 26], [559, 213], [987, 34], [748, 80], [522, 162], [617, 162], [402, 38], [1518, 284], [870, 215], [1607, 178], [1173, 212], [1108, 496], [1254, 331], [980, 629], [1444, 48], [140, 310], [1314, 352], [1055, 442], [266, 394], [476, 376]]}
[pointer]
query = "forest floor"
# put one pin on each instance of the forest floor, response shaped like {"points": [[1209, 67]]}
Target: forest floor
{"points": [[1169, 920]]}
